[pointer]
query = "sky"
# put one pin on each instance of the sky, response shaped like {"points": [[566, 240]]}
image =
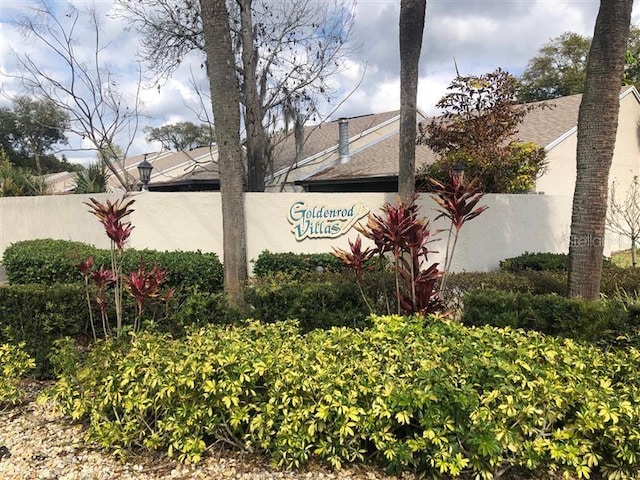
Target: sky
{"points": [[478, 35]]}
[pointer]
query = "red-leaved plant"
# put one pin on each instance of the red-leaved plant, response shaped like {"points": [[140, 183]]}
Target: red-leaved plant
{"points": [[402, 233], [356, 260], [111, 216], [143, 285], [458, 202]]}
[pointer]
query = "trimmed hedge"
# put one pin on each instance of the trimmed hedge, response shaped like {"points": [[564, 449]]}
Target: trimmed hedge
{"points": [[315, 300], [615, 280], [408, 394], [37, 315], [290, 263], [48, 262], [599, 322], [541, 261], [536, 262]]}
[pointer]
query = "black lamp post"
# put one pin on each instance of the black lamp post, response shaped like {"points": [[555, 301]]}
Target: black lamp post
{"points": [[458, 170], [144, 171]]}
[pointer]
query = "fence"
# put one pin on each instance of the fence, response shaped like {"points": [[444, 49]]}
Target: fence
{"points": [[293, 222]]}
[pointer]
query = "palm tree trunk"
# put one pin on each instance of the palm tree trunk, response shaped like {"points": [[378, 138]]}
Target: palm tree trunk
{"points": [[412, 13], [597, 127]]}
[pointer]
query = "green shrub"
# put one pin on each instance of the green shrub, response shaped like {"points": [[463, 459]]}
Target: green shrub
{"points": [[45, 261], [409, 394], [618, 279], [315, 300], [546, 281], [269, 263], [49, 261], [14, 363], [39, 315], [187, 270], [541, 261], [202, 308], [36, 315], [596, 322], [535, 262]]}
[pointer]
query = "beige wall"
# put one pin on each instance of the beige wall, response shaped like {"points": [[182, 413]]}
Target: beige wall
{"points": [[512, 225], [561, 174]]}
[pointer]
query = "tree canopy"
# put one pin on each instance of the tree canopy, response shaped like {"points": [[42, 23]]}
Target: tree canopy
{"points": [[559, 68], [29, 131], [479, 129], [285, 54], [181, 135]]}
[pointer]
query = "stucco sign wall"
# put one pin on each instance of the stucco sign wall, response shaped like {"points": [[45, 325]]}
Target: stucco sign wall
{"points": [[322, 221]]}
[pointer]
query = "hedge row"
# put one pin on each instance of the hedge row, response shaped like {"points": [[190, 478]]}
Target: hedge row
{"points": [[319, 300], [269, 263], [438, 398], [47, 261], [615, 280], [38, 315], [539, 262], [599, 322]]}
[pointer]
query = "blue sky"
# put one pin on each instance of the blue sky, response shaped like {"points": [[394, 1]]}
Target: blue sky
{"points": [[481, 36]]}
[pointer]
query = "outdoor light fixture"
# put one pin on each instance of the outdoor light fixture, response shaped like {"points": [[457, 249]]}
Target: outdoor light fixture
{"points": [[458, 170], [144, 171]]}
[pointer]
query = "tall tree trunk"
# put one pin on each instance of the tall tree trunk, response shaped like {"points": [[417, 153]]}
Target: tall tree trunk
{"points": [[256, 134], [597, 127], [225, 100], [412, 13]]}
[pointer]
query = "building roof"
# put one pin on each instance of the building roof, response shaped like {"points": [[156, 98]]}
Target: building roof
{"points": [[373, 152], [322, 137], [167, 166], [545, 125]]}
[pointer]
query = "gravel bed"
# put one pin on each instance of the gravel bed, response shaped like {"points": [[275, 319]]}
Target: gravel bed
{"points": [[36, 443]]}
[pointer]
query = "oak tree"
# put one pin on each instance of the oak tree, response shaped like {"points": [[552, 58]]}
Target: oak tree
{"points": [[285, 55]]}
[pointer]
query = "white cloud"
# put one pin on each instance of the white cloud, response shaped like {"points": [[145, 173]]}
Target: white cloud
{"points": [[480, 34]]}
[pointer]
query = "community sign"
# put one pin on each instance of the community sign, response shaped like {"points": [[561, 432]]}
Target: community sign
{"points": [[321, 221]]}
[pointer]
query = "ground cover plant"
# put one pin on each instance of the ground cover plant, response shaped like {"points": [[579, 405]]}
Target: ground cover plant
{"points": [[14, 364], [410, 393]]}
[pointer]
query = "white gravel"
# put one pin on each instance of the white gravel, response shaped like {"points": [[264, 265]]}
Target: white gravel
{"points": [[41, 445]]}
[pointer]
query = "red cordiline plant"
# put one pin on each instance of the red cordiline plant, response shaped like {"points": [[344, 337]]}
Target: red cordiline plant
{"points": [[85, 267], [402, 233], [356, 259], [145, 285], [103, 278], [458, 202], [112, 215]]}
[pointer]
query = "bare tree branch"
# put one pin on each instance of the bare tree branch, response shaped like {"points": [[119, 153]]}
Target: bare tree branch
{"points": [[623, 216], [87, 91]]}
